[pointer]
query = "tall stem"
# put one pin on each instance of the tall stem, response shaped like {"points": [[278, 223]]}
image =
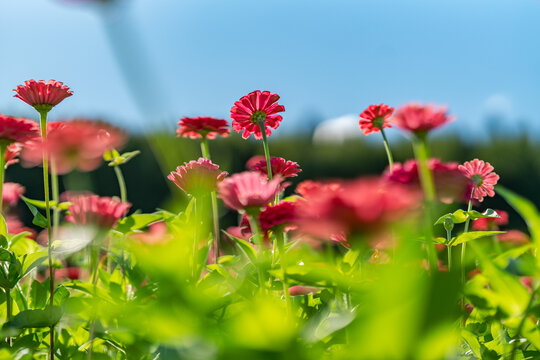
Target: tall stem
{"points": [[121, 183], [388, 151], [258, 241], [426, 180], [205, 150], [449, 248], [463, 245], [43, 125], [55, 198], [266, 150], [123, 198], [281, 248]]}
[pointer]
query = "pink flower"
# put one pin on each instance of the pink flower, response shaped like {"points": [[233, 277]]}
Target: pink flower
{"points": [[42, 95], [254, 108], [421, 119], [13, 129], [482, 177], [15, 226], [450, 184], [75, 144], [375, 118], [11, 193], [309, 188], [302, 290], [281, 215], [202, 126], [280, 166], [96, 210], [12, 152], [248, 190], [491, 223], [197, 177], [362, 206], [514, 237]]}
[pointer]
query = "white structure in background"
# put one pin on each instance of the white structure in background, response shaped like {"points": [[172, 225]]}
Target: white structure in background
{"points": [[337, 130]]}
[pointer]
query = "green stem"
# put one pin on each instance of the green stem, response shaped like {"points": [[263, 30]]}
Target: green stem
{"points": [[388, 151], [282, 253], [55, 198], [43, 125], [9, 310], [266, 150], [426, 180], [121, 183], [205, 150], [463, 245], [258, 241], [449, 248]]}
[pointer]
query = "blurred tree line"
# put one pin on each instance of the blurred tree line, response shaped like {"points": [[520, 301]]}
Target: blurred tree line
{"points": [[515, 160]]}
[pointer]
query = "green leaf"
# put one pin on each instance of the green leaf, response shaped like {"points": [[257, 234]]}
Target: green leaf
{"points": [[246, 247], [124, 158], [472, 235], [36, 318], [526, 209], [61, 294], [457, 217], [30, 261], [488, 214], [3, 226], [39, 220], [136, 222]]}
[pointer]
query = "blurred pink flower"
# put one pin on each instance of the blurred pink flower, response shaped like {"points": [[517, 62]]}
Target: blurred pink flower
{"points": [[202, 126], [375, 118], [248, 190], [450, 184], [15, 226], [421, 119], [482, 177], [11, 193], [514, 237], [253, 108], [299, 290], [12, 153], [13, 129], [197, 178], [280, 166], [42, 93], [90, 209]]}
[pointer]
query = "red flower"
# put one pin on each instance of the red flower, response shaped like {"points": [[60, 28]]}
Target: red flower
{"points": [[302, 290], [310, 188], [279, 215], [280, 166], [421, 119], [481, 175], [12, 152], [15, 226], [202, 126], [76, 144], [450, 184], [362, 206], [42, 95], [11, 193], [514, 237], [375, 117], [197, 177], [96, 210], [491, 223], [248, 190], [254, 108], [14, 129]]}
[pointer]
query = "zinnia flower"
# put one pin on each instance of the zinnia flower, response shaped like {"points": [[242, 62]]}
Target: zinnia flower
{"points": [[359, 207], [491, 223], [42, 95], [76, 144], [280, 166], [248, 190], [280, 216], [12, 152], [450, 184], [309, 188], [375, 118], [90, 209], [13, 129], [482, 177], [197, 177], [421, 119], [11, 193], [15, 226], [255, 108], [202, 126]]}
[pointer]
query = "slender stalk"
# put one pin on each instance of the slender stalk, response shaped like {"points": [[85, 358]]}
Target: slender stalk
{"points": [[463, 245], [43, 125], [426, 180], [258, 241], [388, 151], [9, 310], [121, 183], [205, 150], [55, 198], [281, 248], [266, 150], [449, 248]]}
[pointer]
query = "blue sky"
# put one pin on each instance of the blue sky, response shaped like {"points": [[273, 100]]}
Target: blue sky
{"points": [[330, 58]]}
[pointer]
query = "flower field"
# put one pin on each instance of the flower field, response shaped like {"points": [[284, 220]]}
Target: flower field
{"points": [[405, 264]]}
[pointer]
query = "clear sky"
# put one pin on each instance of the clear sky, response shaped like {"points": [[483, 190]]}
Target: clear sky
{"points": [[323, 57]]}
